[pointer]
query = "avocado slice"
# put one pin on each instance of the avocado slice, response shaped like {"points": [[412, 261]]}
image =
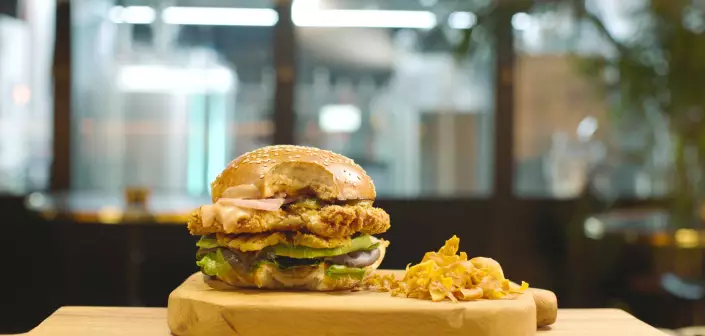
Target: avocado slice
{"points": [[364, 243], [207, 241], [335, 271], [361, 243]]}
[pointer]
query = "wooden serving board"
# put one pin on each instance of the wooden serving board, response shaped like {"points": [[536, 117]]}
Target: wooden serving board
{"points": [[134, 321], [196, 309]]}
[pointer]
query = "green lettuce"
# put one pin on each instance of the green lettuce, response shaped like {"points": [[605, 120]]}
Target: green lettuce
{"points": [[336, 271], [214, 264], [207, 242]]}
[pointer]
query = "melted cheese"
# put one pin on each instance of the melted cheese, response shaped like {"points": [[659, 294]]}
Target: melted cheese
{"points": [[207, 215], [226, 215]]}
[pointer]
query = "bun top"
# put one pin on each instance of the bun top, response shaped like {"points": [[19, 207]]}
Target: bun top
{"points": [[287, 171]]}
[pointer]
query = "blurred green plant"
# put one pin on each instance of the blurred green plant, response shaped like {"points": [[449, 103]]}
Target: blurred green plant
{"points": [[656, 76], [661, 68]]}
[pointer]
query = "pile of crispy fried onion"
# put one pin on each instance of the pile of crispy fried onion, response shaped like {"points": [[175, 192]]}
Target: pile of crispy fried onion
{"points": [[444, 274]]}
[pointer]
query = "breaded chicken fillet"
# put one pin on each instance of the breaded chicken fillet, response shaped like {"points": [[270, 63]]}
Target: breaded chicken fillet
{"points": [[333, 221]]}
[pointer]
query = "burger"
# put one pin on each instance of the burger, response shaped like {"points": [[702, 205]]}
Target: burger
{"points": [[290, 217]]}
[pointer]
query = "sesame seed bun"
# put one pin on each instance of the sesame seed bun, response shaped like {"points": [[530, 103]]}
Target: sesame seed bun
{"points": [[286, 170]]}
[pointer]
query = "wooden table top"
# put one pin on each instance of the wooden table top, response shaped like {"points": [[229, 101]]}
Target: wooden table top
{"points": [[107, 321]]}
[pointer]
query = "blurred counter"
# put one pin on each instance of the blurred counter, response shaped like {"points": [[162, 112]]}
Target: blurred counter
{"points": [[134, 206], [643, 226], [649, 265]]}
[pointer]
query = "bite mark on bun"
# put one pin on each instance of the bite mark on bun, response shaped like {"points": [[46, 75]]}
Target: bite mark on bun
{"points": [[326, 174]]}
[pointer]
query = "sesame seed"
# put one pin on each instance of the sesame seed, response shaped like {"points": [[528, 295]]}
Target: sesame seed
{"points": [[261, 176]]}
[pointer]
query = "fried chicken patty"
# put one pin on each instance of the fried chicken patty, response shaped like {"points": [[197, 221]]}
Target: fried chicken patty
{"points": [[335, 221], [254, 242]]}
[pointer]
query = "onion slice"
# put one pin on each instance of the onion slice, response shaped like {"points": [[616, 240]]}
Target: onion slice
{"points": [[266, 204], [242, 191]]}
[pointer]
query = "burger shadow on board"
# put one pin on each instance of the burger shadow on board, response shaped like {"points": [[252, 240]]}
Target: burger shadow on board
{"points": [[293, 218]]}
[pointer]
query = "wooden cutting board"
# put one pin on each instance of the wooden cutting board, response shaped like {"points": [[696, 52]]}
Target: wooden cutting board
{"points": [[138, 321], [196, 309]]}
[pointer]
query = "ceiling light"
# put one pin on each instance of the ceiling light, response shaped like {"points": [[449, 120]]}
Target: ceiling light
{"points": [[522, 21], [462, 20], [364, 18], [304, 14], [132, 14], [340, 118], [159, 78], [213, 16]]}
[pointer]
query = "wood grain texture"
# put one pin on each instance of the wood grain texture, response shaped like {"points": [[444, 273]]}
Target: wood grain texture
{"points": [[103, 321], [589, 322], [196, 309], [261, 310], [79, 321]]}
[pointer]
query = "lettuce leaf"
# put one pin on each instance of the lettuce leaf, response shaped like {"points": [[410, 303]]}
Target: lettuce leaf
{"points": [[214, 264], [336, 271]]}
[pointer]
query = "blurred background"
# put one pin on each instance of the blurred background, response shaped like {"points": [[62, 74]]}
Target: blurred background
{"points": [[564, 138]]}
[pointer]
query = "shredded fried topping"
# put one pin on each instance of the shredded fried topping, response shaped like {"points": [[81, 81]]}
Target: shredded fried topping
{"points": [[255, 242], [447, 275]]}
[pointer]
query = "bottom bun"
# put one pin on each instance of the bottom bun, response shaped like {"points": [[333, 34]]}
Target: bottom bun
{"points": [[313, 278]]}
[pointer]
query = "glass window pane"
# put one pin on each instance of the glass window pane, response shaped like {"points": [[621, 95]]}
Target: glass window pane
{"points": [[378, 82], [165, 95], [26, 57], [571, 133]]}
